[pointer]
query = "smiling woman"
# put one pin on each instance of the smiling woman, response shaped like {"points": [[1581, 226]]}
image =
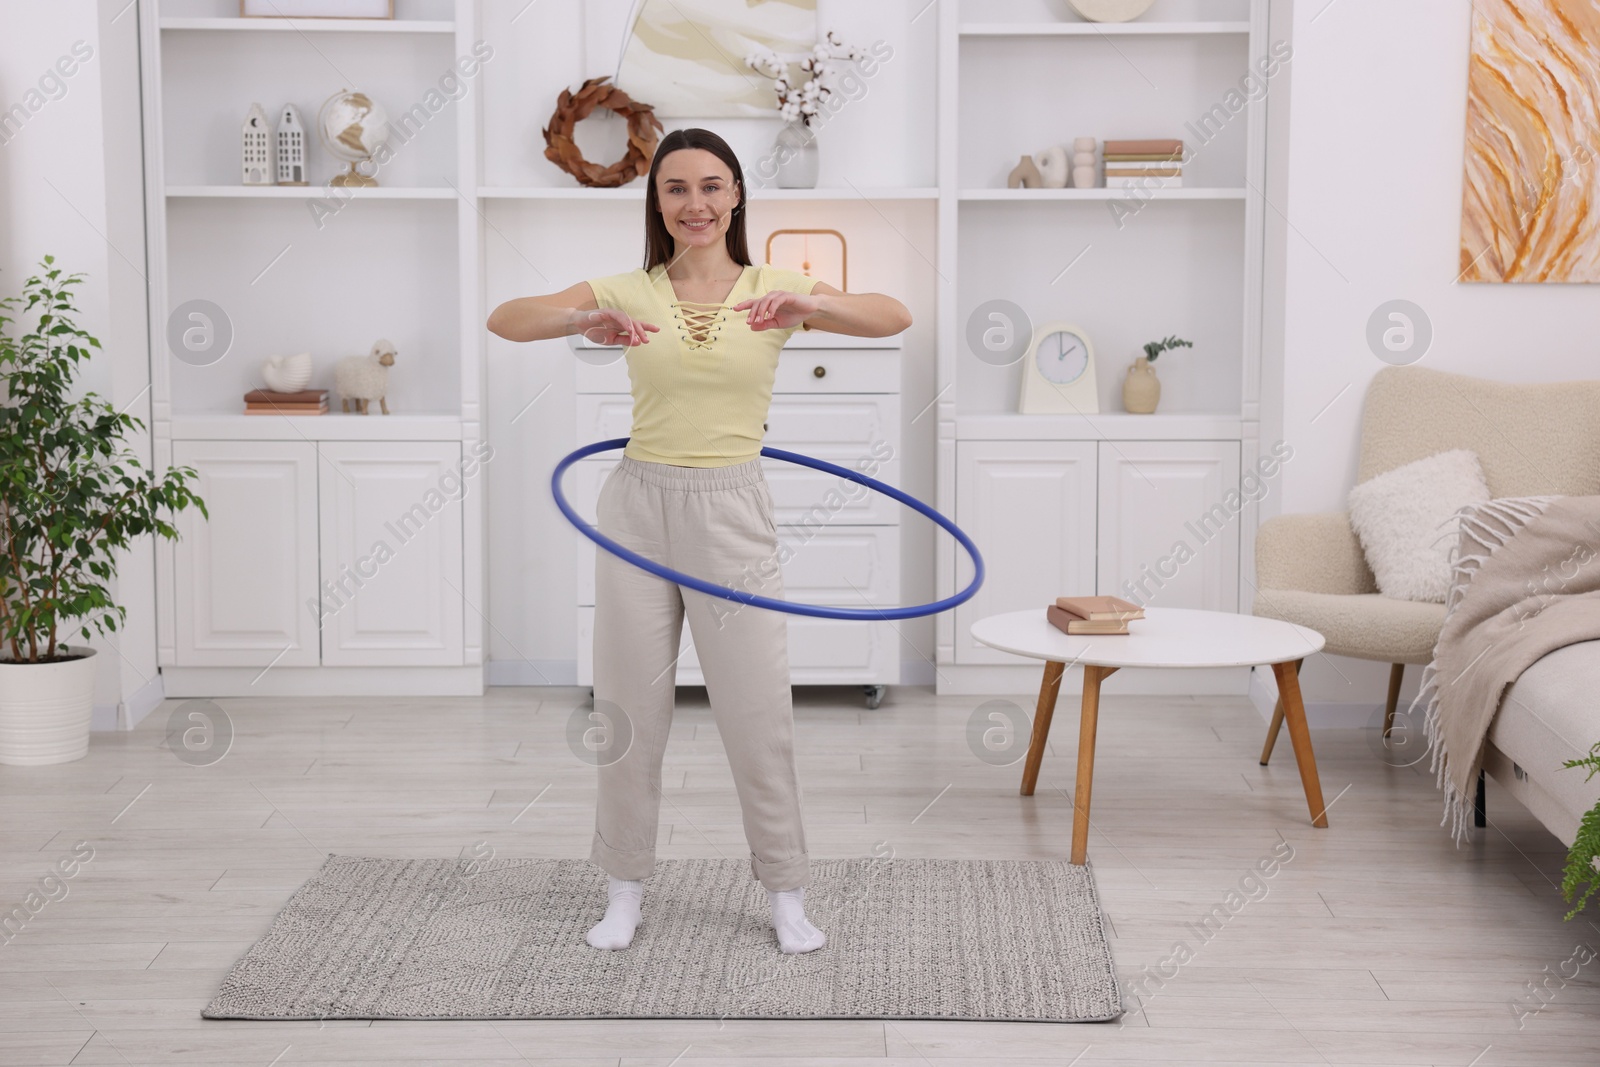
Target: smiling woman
{"points": [[690, 494]]}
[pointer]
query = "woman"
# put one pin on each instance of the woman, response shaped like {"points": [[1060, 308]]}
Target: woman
{"points": [[690, 494]]}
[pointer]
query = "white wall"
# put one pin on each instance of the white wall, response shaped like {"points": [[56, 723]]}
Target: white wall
{"points": [[1373, 205], [71, 186]]}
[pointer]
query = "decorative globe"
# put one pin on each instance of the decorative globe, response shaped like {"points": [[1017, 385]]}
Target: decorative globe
{"points": [[353, 127]]}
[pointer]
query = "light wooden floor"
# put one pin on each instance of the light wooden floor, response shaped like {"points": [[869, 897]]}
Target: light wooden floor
{"points": [[1378, 943]]}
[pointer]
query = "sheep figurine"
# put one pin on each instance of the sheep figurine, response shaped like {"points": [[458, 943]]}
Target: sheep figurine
{"points": [[365, 378]]}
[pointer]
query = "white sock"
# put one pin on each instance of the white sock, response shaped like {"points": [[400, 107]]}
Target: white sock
{"points": [[795, 932], [622, 915]]}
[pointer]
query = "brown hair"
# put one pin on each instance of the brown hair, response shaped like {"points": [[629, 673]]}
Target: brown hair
{"points": [[658, 243]]}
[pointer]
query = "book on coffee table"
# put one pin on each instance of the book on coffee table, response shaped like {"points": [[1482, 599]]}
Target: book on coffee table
{"points": [[1069, 623], [1100, 608]]}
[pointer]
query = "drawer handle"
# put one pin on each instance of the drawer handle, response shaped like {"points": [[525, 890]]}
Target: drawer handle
{"points": [[819, 371], [763, 426]]}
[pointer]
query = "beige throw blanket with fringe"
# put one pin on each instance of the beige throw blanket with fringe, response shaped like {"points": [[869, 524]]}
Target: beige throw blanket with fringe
{"points": [[1525, 582]]}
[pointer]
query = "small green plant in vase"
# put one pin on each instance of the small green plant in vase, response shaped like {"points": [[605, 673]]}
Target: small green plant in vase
{"points": [[1141, 389], [72, 496]]}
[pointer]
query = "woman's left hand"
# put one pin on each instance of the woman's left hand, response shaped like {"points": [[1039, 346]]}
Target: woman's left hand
{"points": [[779, 310]]}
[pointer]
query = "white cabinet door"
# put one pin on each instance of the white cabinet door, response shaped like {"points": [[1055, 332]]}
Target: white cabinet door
{"points": [[391, 553], [1030, 508], [1169, 523], [860, 433], [245, 581]]}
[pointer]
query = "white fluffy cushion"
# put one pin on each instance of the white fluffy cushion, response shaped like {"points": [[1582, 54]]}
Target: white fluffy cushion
{"points": [[1406, 521]]}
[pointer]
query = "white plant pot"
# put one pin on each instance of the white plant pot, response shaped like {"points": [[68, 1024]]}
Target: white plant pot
{"points": [[45, 709]]}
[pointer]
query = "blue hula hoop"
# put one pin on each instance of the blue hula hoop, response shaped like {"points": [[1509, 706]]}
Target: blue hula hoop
{"points": [[768, 602]]}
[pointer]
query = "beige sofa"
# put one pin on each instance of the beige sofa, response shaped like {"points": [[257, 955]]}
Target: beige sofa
{"points": [[1531, 439]]}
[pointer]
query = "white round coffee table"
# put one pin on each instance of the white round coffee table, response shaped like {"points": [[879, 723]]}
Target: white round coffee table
{"points": [[1165, 637]]}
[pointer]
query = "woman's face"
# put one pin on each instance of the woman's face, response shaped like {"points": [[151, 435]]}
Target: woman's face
{"points": [[697, 196]]}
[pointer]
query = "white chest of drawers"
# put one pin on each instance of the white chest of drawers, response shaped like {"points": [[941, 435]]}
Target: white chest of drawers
{"points": [[833, 403]]}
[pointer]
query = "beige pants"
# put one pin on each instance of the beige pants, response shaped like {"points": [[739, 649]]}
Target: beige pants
{"points": [[713, 523]]}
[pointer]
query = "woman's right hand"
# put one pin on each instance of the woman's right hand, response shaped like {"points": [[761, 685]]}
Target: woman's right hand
{"points": [[610, 326]]}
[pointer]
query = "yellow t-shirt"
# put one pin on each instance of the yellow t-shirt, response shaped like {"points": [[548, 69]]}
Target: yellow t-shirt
{"points": [[703, 384]]}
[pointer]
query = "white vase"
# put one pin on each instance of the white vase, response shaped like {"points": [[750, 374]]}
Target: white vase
{"points": [[796, 152], [45, 708], [1055, 166]]}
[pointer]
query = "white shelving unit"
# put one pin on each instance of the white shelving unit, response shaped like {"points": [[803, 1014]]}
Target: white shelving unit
{"points": [[636, 192], [469, 213], [285, 589], [1189, 193], [234, 24], [304, 192], [1100, 29], [1086, 503]]}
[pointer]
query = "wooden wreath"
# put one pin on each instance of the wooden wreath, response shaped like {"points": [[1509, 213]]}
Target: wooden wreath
{"points": [[572, 109]]}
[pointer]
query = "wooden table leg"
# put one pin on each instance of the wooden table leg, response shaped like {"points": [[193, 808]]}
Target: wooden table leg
{"points": [[1294, 714], [1277, 723], [1046, 709], [1088, 717], [1272, 732]]}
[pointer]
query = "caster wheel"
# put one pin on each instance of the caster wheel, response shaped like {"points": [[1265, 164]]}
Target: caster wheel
{"points": [[874, 694]]}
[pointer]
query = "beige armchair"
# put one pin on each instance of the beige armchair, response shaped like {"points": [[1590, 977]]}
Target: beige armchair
{"points": [[1310, 570]]}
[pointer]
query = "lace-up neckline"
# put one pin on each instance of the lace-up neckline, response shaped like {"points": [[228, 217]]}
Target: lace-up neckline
{"points": [[699, 322]]}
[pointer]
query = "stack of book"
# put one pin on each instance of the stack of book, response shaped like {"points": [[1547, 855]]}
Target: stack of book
{"points": [[1144, 164], [267, 402], [1092, 614]]}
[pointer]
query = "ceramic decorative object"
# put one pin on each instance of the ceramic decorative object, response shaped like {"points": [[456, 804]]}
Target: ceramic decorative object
{"points": [[1085, 175], [287, 374], [1110, 10], [1054, 167], [256, 148], [1025, 175], [1141, 389], [795, 150], [291, 148]]}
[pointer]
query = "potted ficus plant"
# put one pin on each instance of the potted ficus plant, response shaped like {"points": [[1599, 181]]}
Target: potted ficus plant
{"points": [[1141, 389], [71, 495]]}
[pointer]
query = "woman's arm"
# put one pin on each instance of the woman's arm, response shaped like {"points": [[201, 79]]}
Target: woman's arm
{"points": [[827, 308], [539, 318], [573, 310]]}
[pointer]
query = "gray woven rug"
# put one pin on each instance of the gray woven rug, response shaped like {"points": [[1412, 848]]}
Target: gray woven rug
{"points": [[907, 939]]}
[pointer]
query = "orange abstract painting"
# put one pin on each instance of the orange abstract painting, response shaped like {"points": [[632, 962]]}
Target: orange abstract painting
{"points": [[1530, 201]]}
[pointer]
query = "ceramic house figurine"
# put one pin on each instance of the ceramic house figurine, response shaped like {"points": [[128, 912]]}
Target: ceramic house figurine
{"points": [[291, 148], [257, 147]]}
